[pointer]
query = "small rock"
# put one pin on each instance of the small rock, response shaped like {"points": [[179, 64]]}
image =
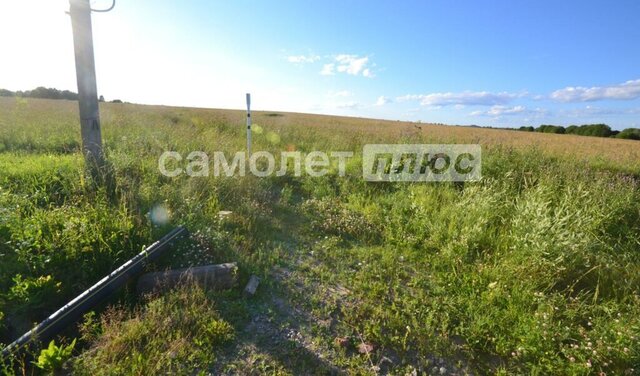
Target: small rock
{"points": [[252, 286], [365, 348]]}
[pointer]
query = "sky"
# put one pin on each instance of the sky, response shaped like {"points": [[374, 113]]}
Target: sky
{"points": [[490, 63]]}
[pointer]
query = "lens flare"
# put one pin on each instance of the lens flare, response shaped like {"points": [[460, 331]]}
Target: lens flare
{"points": [[159, 215]]}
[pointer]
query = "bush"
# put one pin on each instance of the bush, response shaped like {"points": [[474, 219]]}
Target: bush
{"points": [[527, 129], [629, 134]]}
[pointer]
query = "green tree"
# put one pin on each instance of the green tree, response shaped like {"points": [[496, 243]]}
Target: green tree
{"points": [[629, 134], [544, 128]]}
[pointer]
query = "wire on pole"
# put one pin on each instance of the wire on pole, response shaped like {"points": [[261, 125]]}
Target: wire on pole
{"points": [[113, 4]]}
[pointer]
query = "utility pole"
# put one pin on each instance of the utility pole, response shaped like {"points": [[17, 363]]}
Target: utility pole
{"points": [[87, 89]]}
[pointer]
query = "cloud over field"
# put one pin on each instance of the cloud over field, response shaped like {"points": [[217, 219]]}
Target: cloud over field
{"points": [[471, 98], [382, 100], [350, 64], [499, 110], [625, 91]]}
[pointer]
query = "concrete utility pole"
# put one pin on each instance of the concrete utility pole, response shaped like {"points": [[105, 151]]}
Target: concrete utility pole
{"points": [[87, 89]]}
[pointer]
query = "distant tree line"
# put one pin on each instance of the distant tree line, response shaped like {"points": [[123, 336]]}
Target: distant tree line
{"points": [[47, 93], [41, 92], [593, 130]]}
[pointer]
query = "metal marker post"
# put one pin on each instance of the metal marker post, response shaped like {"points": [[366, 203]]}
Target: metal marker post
{"points": [[248, 125]]}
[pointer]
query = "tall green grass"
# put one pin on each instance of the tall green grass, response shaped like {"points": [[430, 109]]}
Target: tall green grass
{"points": [[536, 268], [533, 270]]}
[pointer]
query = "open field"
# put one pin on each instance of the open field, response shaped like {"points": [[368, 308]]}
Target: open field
{"points": [[533, 270]]}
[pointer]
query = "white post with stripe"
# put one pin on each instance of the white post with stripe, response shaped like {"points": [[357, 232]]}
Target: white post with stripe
{"points": [[248, 125]]}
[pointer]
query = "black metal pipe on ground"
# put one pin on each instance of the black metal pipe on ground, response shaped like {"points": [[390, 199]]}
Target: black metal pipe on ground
{"points": [[73, 310]]}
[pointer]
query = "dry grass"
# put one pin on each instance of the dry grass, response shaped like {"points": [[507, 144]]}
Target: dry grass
{"points": [[344, 131]]}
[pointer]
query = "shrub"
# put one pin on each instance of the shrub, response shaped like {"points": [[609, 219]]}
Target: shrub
{"points": [[629, 134]]}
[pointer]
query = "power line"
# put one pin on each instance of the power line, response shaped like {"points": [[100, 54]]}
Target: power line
{"points": [[113, 4]]}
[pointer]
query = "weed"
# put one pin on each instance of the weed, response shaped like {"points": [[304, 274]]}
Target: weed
{"points": [[54, 357]]}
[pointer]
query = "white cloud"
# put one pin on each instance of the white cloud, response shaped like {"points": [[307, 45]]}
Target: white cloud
{"points": [[328, 70], [499, 110], [382, 100], [590, 111], [625, 91], [478, 98], [348, 105], [504, 110], [408, 97], [302, 59], [350, 64], [353, 65]]}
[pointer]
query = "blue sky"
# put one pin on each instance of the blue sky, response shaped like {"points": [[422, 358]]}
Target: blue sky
{"points": [[499, 63]]}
